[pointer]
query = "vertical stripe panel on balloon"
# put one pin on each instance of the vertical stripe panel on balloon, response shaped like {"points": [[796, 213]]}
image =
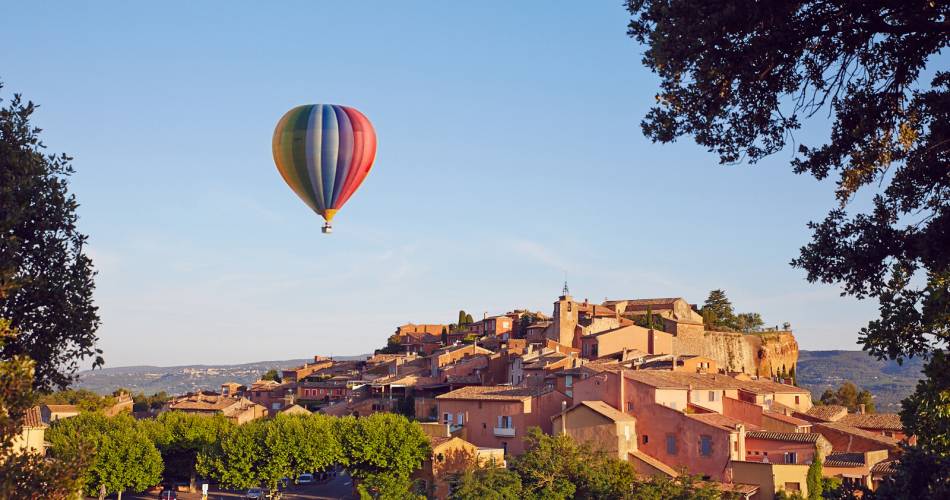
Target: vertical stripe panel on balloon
{"points": [[359, 137], [314, 154], [329, 152], [283, 156], [363, 129], [294, 142], [345, 157]]}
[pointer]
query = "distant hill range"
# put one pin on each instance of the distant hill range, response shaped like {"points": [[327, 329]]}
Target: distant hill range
{"points": [[181, 379], [817, 371], [887, 381]]}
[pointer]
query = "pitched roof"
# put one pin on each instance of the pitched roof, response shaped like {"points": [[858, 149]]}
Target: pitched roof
{"points": [[785, 418], [63, 408], [844, 459], [652, 462], [764, 386], [492, 393], [792, 437], [847, 429], [33, 418], [827, 413], [885, 467], [717, 420], [682, 380], [295, 410], [604, 409], [889, 421], [644, 302], [201, 402]]}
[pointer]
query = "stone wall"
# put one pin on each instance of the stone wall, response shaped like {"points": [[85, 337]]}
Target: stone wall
{"points": [[763, 354]]}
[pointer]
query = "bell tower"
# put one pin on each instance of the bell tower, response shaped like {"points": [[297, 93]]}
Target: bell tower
{"points": [[565, 318]]}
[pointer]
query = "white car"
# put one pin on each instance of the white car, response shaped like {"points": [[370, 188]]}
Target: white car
{"points": [[305, 479], [255, 494]]}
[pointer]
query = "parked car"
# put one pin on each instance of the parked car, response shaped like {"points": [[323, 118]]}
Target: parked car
{"points": [[169, 495], [255, 494], [305, 479]]}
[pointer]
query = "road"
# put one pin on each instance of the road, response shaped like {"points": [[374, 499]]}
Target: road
{"points": [[340, 487]]}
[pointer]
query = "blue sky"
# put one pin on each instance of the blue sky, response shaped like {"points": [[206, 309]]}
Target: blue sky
{"points": [[510, 155]]}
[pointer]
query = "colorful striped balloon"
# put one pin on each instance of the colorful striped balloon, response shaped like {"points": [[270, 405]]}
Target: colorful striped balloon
{"points": [[323, 152]]}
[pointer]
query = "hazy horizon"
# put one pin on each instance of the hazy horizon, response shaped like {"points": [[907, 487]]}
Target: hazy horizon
{"points": [[510, 157]]}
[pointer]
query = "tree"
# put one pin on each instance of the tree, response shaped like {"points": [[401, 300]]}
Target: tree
{"points": [[748, 322], [124, 458], [444, 338], [865, 400], [262, 452], [462, 318], [791, 374], [181, 437], [468, 319], [47, 276], [491, 483], [717, 310], [813, 480], [28, 475], [742, 81], [393, 346], [382, 444], [545, 467], [271, 374]]}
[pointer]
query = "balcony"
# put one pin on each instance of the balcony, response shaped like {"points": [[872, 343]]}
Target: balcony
{"points": [[504, 432]]}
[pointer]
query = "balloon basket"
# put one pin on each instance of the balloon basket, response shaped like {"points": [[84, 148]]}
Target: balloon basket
{"points": [[327, 228]]}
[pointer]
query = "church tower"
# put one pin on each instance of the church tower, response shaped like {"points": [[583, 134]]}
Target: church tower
{"points": [[565, 318]]}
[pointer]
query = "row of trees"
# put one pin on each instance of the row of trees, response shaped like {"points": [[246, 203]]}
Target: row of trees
{"points": [[380, 451], [558, 468]]}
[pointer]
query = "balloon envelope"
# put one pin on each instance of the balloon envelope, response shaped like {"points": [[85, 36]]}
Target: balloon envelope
{"points": [[323, 152]]}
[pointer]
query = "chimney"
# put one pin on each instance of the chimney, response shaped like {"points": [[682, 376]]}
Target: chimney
{"points": [[623, 402], [861, 409]]}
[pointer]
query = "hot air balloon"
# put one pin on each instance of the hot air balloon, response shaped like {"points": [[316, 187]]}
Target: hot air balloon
{"points": [[323, 152]]}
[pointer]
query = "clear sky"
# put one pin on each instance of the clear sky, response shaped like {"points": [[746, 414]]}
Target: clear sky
{"points": [[510, 155]]}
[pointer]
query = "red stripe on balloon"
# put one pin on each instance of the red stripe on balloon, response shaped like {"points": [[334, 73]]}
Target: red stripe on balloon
{"points": [[364, 152]]}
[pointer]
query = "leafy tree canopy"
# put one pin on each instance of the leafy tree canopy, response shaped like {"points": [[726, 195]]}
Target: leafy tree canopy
{"points": [[740, 76], [850, 396], [28, 474], [124, 456], [47, 276], [271, 374]]}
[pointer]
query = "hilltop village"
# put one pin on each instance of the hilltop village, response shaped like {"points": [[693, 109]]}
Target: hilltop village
{"points": [[642, 378]]}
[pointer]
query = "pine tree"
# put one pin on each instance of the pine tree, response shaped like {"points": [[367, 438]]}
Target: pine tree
{"points": [[813, 480]]}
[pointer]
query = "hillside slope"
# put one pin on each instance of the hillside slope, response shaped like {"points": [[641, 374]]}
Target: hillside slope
{"points": [[887, 381]]}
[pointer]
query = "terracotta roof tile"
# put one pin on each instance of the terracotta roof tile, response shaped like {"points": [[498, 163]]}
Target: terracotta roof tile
{"points": [[885, 467], [33, 418], [794, 437], [492, 393], [827, 413], [717, 420], [843, 459], [888, 421], [785, 418], [605, 410], [847, 429]]}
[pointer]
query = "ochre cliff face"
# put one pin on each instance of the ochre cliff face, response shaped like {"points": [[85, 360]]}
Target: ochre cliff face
{"points": [[764, 354]]}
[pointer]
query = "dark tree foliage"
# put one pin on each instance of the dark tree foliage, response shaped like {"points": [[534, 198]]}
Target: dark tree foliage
{"points": [[271, 374], [739, 76], [41, 255]]}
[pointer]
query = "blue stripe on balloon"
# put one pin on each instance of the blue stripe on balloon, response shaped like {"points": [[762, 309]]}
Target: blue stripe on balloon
{"points": [[314, 134], [345, 157], [328, 152]]}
